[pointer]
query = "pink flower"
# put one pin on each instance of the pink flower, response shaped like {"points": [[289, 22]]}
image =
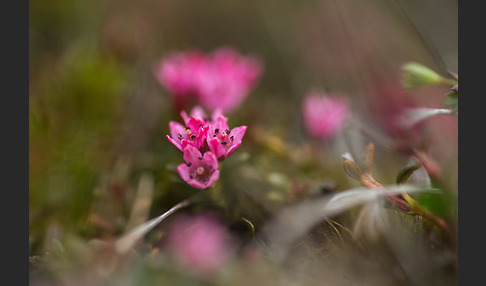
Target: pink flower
{"points": [[387, 102], [323, 115], [227, 79], [204, 134], [220, 80], [221, 140], [199, 243], [199, 171], [213, 138], [179, 73], [194, 133]]}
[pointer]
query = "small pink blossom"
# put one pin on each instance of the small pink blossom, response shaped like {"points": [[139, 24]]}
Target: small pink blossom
{"points": [[206, 134], [221, 140], [201, 135], [194, 133], [323, 115], [199, 171], [179, 73], [200, 243], [227, 79]]}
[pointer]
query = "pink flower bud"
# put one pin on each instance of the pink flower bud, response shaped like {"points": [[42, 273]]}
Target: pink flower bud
{"points": [[323, 115]]}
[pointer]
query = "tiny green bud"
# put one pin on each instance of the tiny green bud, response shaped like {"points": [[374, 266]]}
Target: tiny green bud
{"points": [[416, 75]]}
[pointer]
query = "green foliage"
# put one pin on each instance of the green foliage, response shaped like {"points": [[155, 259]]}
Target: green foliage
{"points": [[442, 203], [71, 117], [452, 100], [439, 204]]}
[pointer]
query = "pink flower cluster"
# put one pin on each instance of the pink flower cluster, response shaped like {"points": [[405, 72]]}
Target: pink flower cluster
{"points": [[323, 114], [203, 143], [199, 243], [222, 79]]}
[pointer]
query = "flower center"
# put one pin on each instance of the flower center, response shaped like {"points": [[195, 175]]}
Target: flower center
{"points": [[202, 173], [222, 137], [200, 170]]}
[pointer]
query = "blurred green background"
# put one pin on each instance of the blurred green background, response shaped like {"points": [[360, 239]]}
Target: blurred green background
{"points": [[98, 117]]}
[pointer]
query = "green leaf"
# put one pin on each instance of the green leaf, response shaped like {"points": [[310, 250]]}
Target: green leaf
{"points": [[452, 101], [406, 172], [442, 204], [437, 203], [416, 75]]}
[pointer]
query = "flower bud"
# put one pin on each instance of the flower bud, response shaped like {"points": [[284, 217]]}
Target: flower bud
{"points": [[416, 75], [323, 115]]}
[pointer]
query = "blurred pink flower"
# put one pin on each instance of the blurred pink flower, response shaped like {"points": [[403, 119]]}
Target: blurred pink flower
{"points": [[199, 243], [199, 171], [222, 79], [227, 79], [179, 73], [323, 115], [387, 102]]}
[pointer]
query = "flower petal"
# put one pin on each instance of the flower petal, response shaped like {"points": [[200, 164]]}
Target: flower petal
{"points": [[220, 123], [175, 142], [175, 129], [232, 149], [185, 117], [184, 171], [238, 133], [216, 147], [210, 159], [198, 112], [197, 184], [195, 123], [191, 154], [214, 177]]}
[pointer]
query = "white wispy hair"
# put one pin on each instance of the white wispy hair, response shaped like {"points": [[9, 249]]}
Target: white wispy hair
{"points": [[347, 156], [296, 220], [128, 240], [413, 116]]}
